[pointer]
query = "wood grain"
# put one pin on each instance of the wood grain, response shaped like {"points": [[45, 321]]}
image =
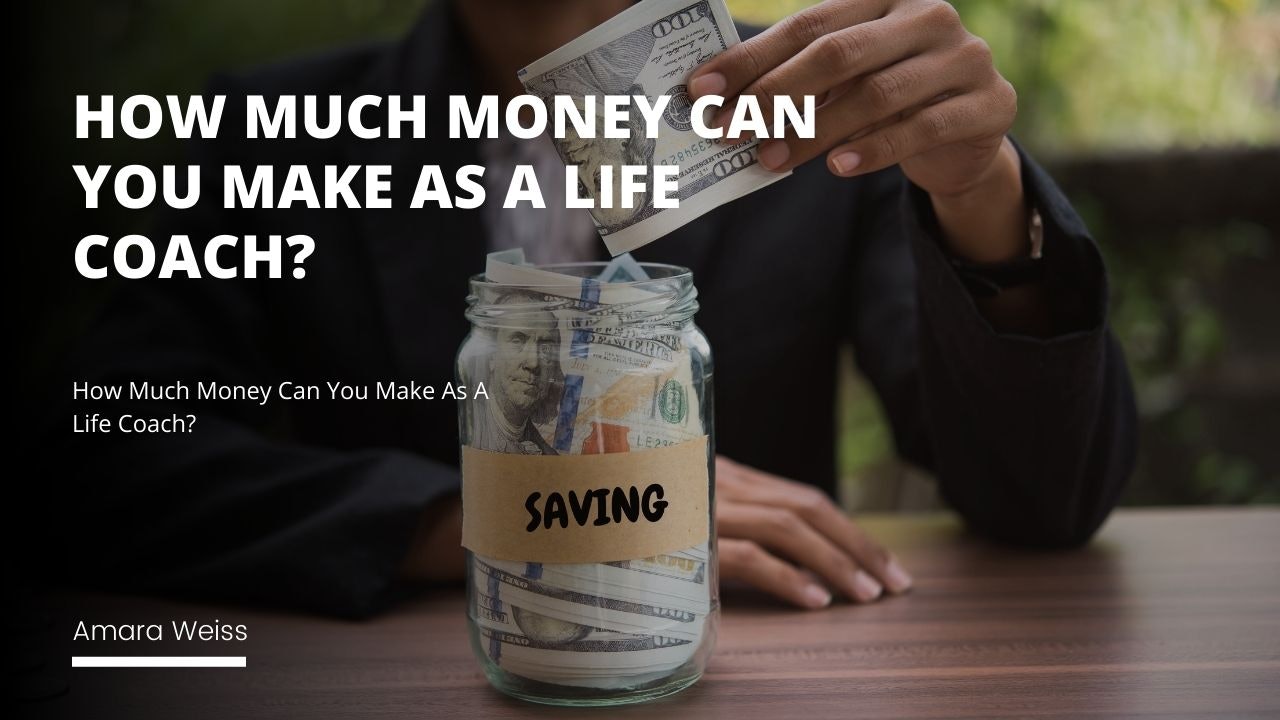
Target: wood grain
{"points": [[1167, 614]]}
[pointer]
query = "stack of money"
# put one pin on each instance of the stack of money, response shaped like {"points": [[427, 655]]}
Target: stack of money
{"points": [[607, 387]]}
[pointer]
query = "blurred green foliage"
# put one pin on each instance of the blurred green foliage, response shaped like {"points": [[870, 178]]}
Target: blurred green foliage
{"points": [[1165, 311]]}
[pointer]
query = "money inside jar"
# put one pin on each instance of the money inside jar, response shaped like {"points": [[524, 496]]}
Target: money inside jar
{"points": [[580, 369]]}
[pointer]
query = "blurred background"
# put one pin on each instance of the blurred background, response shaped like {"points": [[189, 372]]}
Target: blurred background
{"points": [[1161, 120]]}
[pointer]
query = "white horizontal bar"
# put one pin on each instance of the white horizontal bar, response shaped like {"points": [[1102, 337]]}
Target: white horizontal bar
{"points": [[102, 661]]}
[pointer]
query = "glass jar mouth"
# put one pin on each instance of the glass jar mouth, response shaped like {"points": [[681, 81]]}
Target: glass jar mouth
{"points": [[667, 296], [590, 270]]}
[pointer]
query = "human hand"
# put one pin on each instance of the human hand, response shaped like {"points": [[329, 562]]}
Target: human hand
{"points": [[896, 82], [780, 535]]}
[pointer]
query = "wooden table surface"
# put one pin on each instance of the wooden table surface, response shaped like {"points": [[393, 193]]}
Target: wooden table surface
{"points": [[1167, 614]]}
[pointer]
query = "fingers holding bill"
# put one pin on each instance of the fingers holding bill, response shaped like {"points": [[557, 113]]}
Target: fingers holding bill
{"points": [[891, 79], [878, 99], [882, 98], [828, 63], [730, 72], [964, 118]]}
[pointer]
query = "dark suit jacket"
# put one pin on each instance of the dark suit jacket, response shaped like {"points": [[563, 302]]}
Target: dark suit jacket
{"points": [[311, 504]]}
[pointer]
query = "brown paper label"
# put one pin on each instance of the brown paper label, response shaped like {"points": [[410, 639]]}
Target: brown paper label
{"points": [[585, 508]]}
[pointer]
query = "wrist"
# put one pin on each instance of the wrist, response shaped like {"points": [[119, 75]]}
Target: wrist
{"points": [[987, 221]]}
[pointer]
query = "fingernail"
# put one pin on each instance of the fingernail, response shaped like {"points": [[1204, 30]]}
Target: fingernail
{"points": [[816, 596], [846, 162], [774, 154], [709, 84], [865, 588], [897, 578]]}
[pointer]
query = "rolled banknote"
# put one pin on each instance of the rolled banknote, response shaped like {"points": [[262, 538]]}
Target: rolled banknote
{"points": [[587, 605], [650, 50], [602, 388]]}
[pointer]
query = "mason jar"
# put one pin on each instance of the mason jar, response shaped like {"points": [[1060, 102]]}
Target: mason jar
{"points": [[587, 462]]}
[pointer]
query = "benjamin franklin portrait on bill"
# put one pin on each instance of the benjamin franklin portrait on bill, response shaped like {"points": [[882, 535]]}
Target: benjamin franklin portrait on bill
{"points": [[521, 370], [612, 69]]}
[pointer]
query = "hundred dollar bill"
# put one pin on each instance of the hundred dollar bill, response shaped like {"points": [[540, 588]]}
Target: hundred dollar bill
{"points": [[495, 614], [650, 50], [559, 652], [620, 389], [585, 609], [599, 663], [597, 654], [682, 566], [594, 385], [631, 580]]}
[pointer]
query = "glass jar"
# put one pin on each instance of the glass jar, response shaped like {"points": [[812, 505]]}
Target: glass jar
{"points": [[587, 444]]}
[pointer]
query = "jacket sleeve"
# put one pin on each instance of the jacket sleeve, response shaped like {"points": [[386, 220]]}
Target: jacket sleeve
{"points": [[1031, 440]]}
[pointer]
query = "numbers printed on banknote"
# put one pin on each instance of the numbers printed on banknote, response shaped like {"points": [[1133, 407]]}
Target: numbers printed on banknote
{"points": [[650, 50]]}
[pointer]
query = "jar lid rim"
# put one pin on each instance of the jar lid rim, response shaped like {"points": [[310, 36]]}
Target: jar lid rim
{"points": [[674, 272]]}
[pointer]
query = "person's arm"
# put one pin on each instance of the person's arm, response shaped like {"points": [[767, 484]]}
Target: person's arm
{"points": [[988, 224], [1034, 435], [1021, 402], [1031, 438]]}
